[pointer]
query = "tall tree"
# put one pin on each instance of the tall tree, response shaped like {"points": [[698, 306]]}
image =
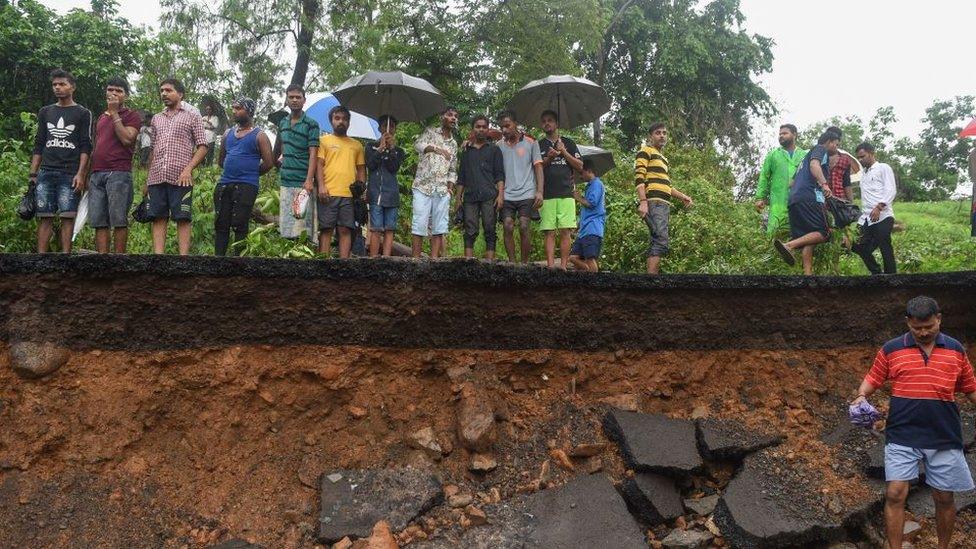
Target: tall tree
{"points": [[691, 65]]}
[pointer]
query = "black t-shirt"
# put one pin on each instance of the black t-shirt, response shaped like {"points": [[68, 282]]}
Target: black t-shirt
{"points": [[558, 174], [63, 134]]}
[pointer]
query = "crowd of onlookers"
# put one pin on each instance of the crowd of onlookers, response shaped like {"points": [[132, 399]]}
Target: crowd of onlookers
{"points": [[335, 187]]}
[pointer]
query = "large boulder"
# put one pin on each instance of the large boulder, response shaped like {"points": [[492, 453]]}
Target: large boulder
{"points": [[653, 498], [353, 501], [654, 443], [33, 360], [726, 439]]}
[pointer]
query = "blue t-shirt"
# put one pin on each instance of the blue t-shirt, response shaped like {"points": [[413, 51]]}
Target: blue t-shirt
{"points": [[593, 220], [805, 187]]}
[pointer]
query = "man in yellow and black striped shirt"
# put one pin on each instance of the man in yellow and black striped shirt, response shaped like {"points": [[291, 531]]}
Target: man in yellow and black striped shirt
{"points": [[654, 190]]}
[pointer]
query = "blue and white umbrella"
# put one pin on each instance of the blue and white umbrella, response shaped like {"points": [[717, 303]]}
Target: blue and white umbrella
{"points": [[317, 107]]}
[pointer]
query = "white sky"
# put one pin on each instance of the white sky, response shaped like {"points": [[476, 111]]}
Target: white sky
{"points": [[833, 57]]}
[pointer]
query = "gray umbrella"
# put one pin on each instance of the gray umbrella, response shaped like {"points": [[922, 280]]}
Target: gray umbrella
{"points": [[602, 158], [576, 100], [376, 93]]}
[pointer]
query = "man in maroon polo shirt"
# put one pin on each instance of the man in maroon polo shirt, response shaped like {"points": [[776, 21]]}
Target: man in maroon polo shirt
{"points": [[110, 188]]}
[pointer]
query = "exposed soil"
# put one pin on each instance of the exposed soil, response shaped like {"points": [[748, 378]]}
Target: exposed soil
{"points": [[169, 448], [204, 398]]}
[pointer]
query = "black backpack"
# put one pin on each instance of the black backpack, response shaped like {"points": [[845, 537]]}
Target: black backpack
{"points": [[141, 213], [843, 212], [27, 208]]}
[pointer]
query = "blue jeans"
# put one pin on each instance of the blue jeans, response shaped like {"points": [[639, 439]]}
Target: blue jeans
{"points": [[109, 199], [55, 195], [382, 219]]}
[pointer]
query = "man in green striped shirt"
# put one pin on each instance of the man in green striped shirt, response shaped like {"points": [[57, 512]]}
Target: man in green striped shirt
{"points": [[775, 177], [296, 150]]}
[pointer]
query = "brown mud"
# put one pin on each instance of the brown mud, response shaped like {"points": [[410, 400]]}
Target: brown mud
{"points": [[148, 437]]}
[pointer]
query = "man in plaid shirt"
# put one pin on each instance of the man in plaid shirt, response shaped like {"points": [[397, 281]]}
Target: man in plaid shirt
{"points": [[179, 146]]}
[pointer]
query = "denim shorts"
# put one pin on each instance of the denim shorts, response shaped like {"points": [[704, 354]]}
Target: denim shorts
{"points": [[109, 199], [945, 470], [430, 214], [587, 247], [55, 195], [382, 219]]}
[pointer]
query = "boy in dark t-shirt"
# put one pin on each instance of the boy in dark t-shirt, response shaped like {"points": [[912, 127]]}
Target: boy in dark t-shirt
{"points": [[60, 161], [560, 157]]}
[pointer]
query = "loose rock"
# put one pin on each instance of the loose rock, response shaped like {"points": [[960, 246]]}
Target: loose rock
{"points": [[353, 504], [426, 439], [686, 539], [482, 463], [476, 420], [702, 507], [34, 360]]}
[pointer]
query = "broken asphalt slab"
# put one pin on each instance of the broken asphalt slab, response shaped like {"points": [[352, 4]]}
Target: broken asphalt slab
{"points": [[729, 440], [585, 512], [768, 505], [654, 443], [654, 499], [353, 501]]}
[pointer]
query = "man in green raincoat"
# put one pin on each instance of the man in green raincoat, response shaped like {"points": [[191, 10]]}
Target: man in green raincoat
{"points": [[775, 178]]}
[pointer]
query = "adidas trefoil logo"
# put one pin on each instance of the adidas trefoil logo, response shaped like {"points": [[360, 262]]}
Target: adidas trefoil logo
{"points": [[60, 131]]}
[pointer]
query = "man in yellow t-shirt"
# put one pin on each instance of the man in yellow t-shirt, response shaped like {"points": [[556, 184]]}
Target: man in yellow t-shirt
{"points": [[342, 162]]}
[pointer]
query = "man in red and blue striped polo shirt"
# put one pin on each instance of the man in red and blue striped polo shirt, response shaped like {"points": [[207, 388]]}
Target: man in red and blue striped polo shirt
{"points": [[926, 369]]}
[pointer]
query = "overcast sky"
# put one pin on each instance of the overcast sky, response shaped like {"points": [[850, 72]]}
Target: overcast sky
{"points": [[832, 57]]}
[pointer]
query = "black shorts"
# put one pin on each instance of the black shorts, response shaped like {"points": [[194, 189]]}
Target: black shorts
{"points": [[808, 217], [518, 208], [587, 247], [168, 201], [337, 212]]}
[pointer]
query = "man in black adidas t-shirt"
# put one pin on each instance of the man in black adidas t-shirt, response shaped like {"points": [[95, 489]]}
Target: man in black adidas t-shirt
{"points": [[60, 161]]}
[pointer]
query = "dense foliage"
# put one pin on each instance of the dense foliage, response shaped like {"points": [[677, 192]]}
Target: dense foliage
{"points": [[687, 62]]}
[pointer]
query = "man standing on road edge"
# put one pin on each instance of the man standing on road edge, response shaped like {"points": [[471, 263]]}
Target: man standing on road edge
{"points": [[654, 191], [560, 158], [926, 368], [877, 218], [775, 177]]}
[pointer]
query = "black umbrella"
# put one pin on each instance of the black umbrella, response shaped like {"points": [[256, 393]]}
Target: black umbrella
{"points": [[602, 159], [405, 97], [217, 110], [575, 100]]}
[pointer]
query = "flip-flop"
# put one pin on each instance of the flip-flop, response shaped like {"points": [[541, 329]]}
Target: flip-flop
{"points": [[784, 252]]}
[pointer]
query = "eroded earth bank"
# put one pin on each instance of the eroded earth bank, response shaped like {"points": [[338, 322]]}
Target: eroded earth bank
{"points": [[199, 402]]}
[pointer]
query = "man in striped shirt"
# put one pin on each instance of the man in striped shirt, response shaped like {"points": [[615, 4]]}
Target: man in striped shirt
{"points": [[654, 192], [926, 368]]}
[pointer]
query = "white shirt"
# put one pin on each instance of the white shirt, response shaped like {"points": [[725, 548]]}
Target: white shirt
{"points": [[877, 186]]}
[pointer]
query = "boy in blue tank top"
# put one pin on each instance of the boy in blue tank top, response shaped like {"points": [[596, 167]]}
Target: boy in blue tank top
{"points": [[245, 156]]}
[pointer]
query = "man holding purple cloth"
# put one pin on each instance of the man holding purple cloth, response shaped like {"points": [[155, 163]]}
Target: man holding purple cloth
{"points": [[926, 369]]}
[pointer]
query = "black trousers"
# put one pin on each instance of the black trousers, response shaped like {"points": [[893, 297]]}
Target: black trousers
{"points": [[874, 237], [232, 210]]}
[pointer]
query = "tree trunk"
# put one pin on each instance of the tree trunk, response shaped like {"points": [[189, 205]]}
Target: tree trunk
{"points": [[306, 32]]}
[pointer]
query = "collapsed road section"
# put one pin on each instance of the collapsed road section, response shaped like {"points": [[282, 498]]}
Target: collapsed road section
{"points": [[199, 402]]}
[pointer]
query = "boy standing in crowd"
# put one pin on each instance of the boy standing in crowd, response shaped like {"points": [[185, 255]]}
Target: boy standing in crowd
{"points": [[593, 218], [654, 192], [60, 161], [383, 160], [110, 188]]}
